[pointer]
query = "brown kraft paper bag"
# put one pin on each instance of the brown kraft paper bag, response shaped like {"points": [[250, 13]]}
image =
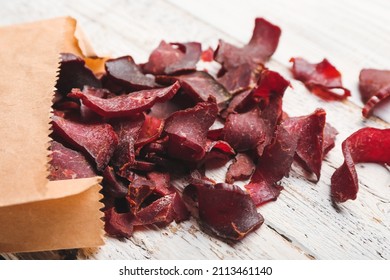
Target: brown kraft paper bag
{"points": [[37, 214]]}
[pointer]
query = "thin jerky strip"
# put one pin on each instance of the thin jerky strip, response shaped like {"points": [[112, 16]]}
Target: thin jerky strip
{"points": [[125, 105]]}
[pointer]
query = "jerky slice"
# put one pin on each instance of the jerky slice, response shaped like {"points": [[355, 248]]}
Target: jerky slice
{"points": [[127, 75], [274, 164], [311, 139], [127, 131], [125, 105], [96, 140], [241, 169], [173, 57], [199, 86], [112, 185], [244, 131], [365, 145], [187, 131], [322, 79], [68, 164], [260, 48], [74, 74], [374, 86], [241, 66], [224, 210]]}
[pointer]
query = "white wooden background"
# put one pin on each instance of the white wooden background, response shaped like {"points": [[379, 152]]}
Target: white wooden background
{"points": [[302, 223]]}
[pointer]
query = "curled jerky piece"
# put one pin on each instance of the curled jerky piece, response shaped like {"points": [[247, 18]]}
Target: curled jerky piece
{"points": [[68, 164], [125, 105], [274, 164], [374, 86], [163, 211], [241, 169], [113, 185], [173, 57], [260, 48], [74, 74], [310, 130], [241, 66], [199, 86], [244, 131], [139, 190], [187, 131], [322, 79], [224, 210], [126, 75], [119, 224], [97, 140], [150, 130], [365, 145]]}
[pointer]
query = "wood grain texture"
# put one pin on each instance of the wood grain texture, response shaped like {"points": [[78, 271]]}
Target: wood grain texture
{"points": [[303, 223]]}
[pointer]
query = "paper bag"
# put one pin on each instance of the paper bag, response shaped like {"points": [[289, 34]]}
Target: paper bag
{"points": [[37, 214]]}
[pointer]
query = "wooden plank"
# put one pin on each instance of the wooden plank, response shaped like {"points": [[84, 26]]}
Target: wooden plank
{"points": [[303, 223]]}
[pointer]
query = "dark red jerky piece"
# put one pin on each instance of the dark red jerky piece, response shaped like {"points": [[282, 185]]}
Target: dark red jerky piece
{"points": [[119, 224], [260, 48], [274, 164], [374, 86], [238, 103], [68, 164], [244, 131], [225, 210], [112, 185], [199, 86], [365, 145], [150, 130], [241, 169], [219, 151], [127, 131], [329, 138], [310, 130], [207, 55], [74, 74], [162, 182], [270, 84], [139, 189], [127, 75], [172, 58], [187, 131], [240, 78], [125, 105], [322, 79], [97, 140], [163, 211], [180, 210]]}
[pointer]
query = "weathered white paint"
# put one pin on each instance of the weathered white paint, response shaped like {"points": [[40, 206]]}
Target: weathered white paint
{"points": [[302, 223]]}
